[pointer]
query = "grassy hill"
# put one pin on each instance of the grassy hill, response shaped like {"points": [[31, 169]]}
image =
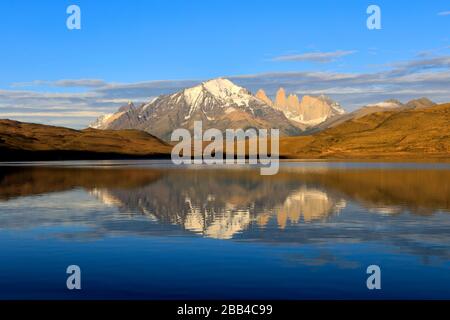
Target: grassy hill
{"points": [[405, 134], [27, 141]]}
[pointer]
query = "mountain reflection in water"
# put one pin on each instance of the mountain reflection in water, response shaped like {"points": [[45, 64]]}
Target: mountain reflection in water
{"points": [[225, 203]]}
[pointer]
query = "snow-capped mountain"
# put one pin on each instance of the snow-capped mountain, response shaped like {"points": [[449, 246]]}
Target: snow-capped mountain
{"points": [[218, 103]]}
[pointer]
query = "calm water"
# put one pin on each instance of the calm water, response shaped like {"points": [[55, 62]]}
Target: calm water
{"points": [[146, 230]]}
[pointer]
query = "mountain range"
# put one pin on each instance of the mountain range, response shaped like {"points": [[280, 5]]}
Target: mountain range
{"points": [[418, 129], [221, 104]]}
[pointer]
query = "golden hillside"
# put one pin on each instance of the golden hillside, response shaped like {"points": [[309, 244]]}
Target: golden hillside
{"points": [[28, 141], [404, 134]]}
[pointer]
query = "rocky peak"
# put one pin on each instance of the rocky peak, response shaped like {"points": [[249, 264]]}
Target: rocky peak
{"points": [[310, 111], [280, 99], [129, 106], [292, 103], [261, 95]]}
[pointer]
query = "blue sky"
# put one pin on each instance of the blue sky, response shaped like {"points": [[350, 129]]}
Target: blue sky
{"points": [[133, 50]]}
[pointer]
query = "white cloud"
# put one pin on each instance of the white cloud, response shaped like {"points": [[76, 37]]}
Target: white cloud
{"points": [[72, 114], [65, 83], [320, 57], [444, 13]]}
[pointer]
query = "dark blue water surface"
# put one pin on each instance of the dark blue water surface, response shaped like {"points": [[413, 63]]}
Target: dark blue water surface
{"points": [[142, 230]]}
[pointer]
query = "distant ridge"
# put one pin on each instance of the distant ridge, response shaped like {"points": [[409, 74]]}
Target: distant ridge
{"points": [[388, 105]]}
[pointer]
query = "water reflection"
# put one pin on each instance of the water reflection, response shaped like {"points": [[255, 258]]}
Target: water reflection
{"points": [[224, 203], [304, 233]]}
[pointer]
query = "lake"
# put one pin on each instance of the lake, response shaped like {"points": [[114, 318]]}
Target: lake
{"points": [[148, 230]]}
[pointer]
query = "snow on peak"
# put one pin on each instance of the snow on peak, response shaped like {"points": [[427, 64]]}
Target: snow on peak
{"points": [[101, 121], [194, 96], [338, 108], [222, 90], [105, 120]]}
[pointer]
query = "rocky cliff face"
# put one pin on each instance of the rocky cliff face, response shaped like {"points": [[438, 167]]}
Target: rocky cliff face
{"points": [[308, 112], [280, 100]]}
